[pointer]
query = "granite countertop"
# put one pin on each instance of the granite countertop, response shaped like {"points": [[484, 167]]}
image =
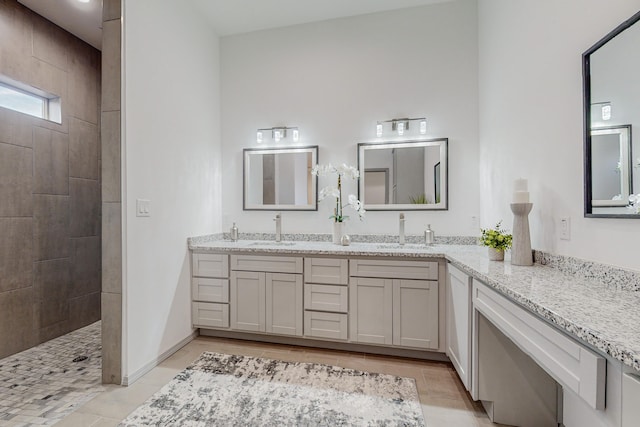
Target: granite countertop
{"points": [[604, 316]]}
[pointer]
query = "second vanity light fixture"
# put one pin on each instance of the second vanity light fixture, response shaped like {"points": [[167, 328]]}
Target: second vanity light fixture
{"points": [[278, 133], [401, 125]]}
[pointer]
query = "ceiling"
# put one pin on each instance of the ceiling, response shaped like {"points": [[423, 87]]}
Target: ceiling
{"points": [[84, 20], [242, 16]]}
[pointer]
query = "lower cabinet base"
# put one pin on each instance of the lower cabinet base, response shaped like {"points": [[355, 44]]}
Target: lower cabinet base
{"points": [[331, 345]]}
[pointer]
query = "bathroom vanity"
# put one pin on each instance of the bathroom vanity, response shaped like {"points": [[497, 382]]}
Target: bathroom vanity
{"points": [[429, 302]]}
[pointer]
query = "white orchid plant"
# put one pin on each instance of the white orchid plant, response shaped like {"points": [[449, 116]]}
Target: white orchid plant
{"points": [[336, 192]]}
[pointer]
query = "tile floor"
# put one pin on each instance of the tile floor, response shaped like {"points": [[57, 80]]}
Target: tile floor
{"points": [[444, 400], [42, 385]]}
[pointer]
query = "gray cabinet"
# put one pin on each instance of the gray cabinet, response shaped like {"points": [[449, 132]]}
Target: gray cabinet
{"points": [[394, 311], [326, 298], [371, 310], [210, 290], [266, 301], [458, 323]]}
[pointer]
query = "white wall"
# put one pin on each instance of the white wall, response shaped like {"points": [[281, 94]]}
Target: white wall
{"points": [[531, 120], [171, 157], [334, 80]]}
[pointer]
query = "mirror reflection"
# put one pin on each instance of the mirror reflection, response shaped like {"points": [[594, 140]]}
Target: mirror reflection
{"points": [[612, 115], [408, 175], [280, 179], [610, 166]]}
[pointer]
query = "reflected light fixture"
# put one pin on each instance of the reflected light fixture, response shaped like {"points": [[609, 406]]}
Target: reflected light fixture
{"points": [[278, 133], [400, 126]]}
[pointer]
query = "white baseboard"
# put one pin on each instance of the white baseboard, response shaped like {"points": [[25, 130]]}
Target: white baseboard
{"points": [[127, 380]]}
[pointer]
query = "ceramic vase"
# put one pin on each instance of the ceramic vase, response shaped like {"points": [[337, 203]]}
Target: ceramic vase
{"points": [[495, 254], [338, 231]]}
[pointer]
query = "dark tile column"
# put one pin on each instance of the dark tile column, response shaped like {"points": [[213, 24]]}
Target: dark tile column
{"points": [[111, 200]]}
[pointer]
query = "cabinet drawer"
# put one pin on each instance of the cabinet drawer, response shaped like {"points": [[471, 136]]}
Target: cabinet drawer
{"points": [[210, 290], [326, 297], [210, 265], [325, 325], [571, 364], [270, 264], [207, 314], [330, 271], [426, 270]]}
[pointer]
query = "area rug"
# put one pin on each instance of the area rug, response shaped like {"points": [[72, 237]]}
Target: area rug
{"points": [[227, 390]]}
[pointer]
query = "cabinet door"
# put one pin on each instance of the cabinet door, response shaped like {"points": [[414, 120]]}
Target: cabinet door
{"points": [[247, 301], [284, 303], [370, 310], [459, 323], [630, 399], [415, 313]]}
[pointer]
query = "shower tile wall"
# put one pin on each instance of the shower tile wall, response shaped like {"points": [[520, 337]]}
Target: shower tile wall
{"points": [[50, 251]]}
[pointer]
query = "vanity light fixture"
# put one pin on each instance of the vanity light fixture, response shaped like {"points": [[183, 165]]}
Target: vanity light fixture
{"points": [[278, 133], [402, 125], [605, 109]]}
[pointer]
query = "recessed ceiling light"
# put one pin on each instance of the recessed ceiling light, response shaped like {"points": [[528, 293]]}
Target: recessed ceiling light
{"points": [[84, 1]]}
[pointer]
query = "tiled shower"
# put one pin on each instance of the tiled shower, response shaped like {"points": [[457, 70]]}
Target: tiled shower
{"points": [[50, 249]]}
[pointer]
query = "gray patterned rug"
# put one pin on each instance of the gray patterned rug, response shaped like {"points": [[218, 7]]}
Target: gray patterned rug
{"points": [[225, 390]]}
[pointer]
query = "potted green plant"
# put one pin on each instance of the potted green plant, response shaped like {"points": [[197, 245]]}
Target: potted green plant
{"points": [[497, 241]]}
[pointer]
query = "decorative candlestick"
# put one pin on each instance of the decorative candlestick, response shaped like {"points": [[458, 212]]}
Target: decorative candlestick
{"points": [[521, 243]]}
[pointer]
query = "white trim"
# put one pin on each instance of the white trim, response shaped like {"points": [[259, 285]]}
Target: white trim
{"points": [[124, 356], [127, 380]]}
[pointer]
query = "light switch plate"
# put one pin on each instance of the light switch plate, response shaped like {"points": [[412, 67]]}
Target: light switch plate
{"points": [[143, 207], [565, 228]]}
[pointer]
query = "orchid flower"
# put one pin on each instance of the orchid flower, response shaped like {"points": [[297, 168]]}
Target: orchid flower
{"points": [[336, 192]]}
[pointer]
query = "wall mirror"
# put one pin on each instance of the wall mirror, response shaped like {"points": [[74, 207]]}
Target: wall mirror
{"points": [[280, 179], [407, 175], [611, 117]]}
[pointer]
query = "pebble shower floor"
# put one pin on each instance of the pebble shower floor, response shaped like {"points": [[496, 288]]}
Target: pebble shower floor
{"points": [[41, 385]]}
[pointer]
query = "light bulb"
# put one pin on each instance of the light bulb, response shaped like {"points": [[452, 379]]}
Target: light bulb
{"points": [[296, 135], [423, 127], [277, 135], [259, 137], [400, 128], [379, 130], [606, 112]]}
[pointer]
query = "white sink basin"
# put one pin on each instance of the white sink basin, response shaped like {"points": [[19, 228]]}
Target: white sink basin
{"points": [[399, 246], [269, 243]]}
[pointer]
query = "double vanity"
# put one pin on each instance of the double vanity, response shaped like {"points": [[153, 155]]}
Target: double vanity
{"points": [[438, 302]]}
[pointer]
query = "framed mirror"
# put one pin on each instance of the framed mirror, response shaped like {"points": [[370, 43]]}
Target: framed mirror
{"points": [[279, 179], [407, 175], [611, 116]]}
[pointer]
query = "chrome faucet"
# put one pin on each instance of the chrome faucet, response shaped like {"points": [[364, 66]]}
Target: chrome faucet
{"points": [[401, 233], [278, 220]]}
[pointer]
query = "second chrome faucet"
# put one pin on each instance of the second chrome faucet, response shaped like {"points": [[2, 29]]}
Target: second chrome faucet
{"points": [[401, 231], [278, 220]]}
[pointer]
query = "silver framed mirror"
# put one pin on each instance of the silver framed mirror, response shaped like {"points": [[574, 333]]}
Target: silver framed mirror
{"points": [[404, 175], [611, 90], [280, 179]]}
